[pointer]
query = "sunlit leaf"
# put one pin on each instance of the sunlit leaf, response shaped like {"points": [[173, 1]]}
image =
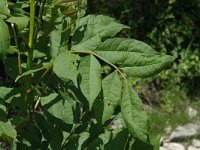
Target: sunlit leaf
{"points": [[134, 57], [91, 29]]}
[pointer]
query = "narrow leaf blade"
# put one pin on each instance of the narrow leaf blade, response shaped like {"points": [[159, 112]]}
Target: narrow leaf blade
{"points": [[133, 113], [112, 87], [90, 70]]}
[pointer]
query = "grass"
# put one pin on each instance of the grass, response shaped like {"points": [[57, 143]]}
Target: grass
{"points": [[172, 111]]}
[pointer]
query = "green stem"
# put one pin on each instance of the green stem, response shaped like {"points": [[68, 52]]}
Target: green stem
{"points": [[31, 34], [27, 81]]}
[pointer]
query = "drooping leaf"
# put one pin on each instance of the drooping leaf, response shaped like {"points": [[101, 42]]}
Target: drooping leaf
{"points": [[91, 29], [58, 107], [133, 113], [111, 86], [4, 39], [90, 70], [65, 66], [100, 141], [119, 142], [20, 21], [7, 131], [4, 8], [133, 57]]}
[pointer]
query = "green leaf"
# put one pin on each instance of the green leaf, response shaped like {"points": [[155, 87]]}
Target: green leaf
{"points": [[90, 70], [20, 21], [118, 142], [4, 91], [55, 36], [133, 57], [91, 29], [4, 39], [4, 8], [58, 107], [133, 113], [153, 145], [65, 66], [112, 87], [7, 131], [83, 137], [33, 135]]}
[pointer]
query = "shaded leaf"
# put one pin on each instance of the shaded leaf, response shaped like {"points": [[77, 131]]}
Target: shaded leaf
{"points": [[90, 70], [133, 113], [58, 107], [119, 142], [65, 66], [55, 36], [134, 57]]}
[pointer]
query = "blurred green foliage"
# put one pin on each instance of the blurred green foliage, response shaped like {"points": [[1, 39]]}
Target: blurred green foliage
{"points": [[169, 26]]}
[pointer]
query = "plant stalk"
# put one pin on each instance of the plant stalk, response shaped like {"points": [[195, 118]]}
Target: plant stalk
{"points": [[31, 34], [27, 81]]}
